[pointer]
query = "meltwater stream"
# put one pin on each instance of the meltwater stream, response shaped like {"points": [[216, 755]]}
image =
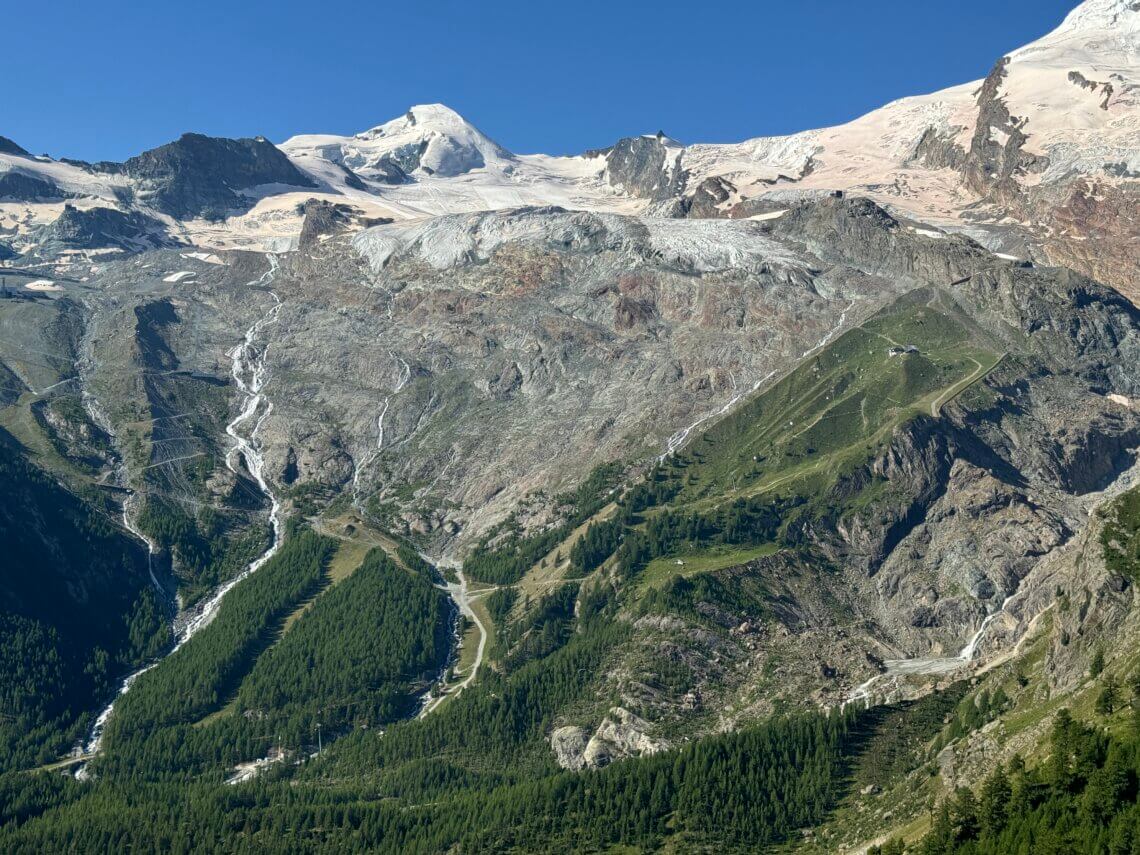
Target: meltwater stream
{"points": [[930, 664], [250, 374], [358, 472]]}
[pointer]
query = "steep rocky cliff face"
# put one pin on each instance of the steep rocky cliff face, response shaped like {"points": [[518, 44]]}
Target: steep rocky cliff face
{"points": [[200, 176], [893, 579], [102, 228], [7, 146], [648, 167]]}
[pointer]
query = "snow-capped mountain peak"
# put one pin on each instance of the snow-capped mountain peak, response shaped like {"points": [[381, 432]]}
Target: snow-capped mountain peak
{"points": [[429, 139], [1048, 135], [424, 119], [1097, 31]]}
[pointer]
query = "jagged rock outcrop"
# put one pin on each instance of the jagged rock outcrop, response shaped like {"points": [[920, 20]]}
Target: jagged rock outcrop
{"points": [[939, 149], [569, 746], [858, 231], [324, 219], [18, 186], [98, 228], [997, 155], [200, 176], [8, 146], [648, 167], [620, 735], [709, 198]]}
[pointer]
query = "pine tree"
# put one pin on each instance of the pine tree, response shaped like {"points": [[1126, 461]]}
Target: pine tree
{"points": [[1097, 663], [1109, 696], [993, 806]]}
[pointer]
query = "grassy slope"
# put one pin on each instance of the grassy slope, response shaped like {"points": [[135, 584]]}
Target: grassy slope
{"points": [[661, 570], [840, 406], [828, 416]]}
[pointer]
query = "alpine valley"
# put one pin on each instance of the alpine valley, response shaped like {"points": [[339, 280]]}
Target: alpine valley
{"points": [[399, 493]]}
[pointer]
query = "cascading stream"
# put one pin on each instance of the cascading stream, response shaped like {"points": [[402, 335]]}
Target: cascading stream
{"points": [[930, 664], [405, 376], [250, 374], [942, 665]]}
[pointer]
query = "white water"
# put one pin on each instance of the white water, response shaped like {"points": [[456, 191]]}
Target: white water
{"points": [[930, 664], [250, 374], [678, 440], [129, 524], [967, 652], [367, 461], [95, 736]]}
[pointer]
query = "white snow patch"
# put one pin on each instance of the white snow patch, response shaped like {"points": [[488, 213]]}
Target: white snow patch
{"points": [[206, 257], [179, 276]]}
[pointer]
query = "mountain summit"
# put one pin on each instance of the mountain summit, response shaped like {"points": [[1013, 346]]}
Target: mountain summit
{"points": [[1038, 158], [428, 140]]}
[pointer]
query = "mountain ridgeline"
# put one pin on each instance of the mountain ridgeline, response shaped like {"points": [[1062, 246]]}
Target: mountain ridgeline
{"points": [[398, 493]]}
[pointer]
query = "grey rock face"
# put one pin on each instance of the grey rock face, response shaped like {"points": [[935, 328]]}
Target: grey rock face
{"points": [[709, 197], [856, 231], [569, 746], [200, 176], [18, 187], [620, 735], [7, 146], [938, 150], [646, 167], [97, 228], [990, 165], [352, 179], [324, 218]]}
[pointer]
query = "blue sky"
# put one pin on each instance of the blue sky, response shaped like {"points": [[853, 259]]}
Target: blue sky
{"points": [[107, 79]]}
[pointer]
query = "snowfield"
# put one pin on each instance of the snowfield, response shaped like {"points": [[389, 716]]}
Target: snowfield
{"points": [[1075, 94]]}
